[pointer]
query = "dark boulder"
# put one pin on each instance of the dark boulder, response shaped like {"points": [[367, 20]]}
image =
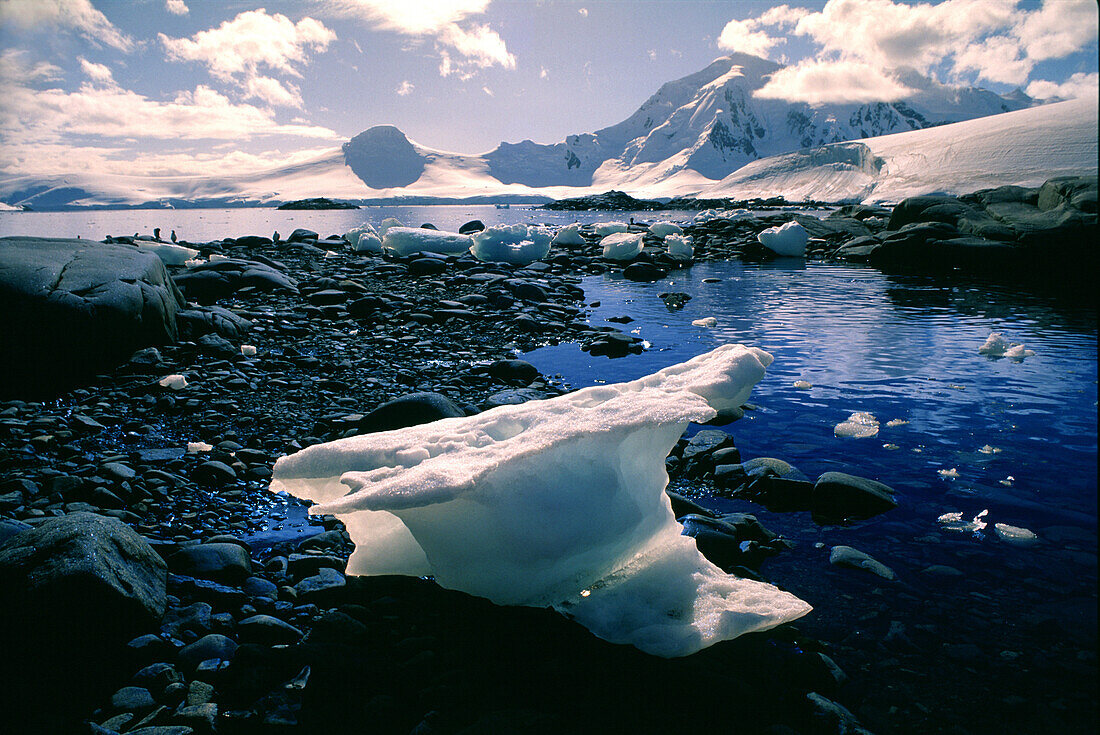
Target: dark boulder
{"points": [[72, 307], [410, 410], [517, 370], [643, 272], [208, 282], [75, 589], [838, 495], [194, 323], [474, 225]]}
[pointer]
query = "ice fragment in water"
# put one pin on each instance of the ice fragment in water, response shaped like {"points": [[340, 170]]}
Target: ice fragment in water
{"points": [[896, 422], [803, 384], [197, 447], [412, 240], [860, 425], [514, 244], [569, 235], [987, 449], [664, 229], [621, 246], [248, 350], [997, 345], [609, 228], [952, 473], [707, 321], [364, 239], [787, 240], [1015, 534], [955, 522], [555, 502], [680, 246]]}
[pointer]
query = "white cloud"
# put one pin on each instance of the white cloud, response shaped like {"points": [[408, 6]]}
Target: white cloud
{"points": [[741, 36], [816, 83], [994, 39], [238, 49], [176, 7], [405, 88], [99, 73], [14, 65], [476, 46], [1077, 86], [78, 15]]}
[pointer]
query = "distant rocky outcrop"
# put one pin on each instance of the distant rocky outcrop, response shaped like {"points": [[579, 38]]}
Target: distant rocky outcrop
{"points": [[317, 203], [383, 158], [71, 307], [1051, 226]]}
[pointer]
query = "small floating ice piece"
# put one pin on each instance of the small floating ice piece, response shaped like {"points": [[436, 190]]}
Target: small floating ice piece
{"points": [[557, 502], [174, 382], [609, 228], [860, 425], [997, 345], [952, 473], [707, 321], [621, 245], [664, 229], [1015, 534], [197, 447], [569, 235], [803, 384], [514, 244], [680, 246], [787, 240], [218, 257], [987, 449], [248, 350], [955, 522], [896, 422]]}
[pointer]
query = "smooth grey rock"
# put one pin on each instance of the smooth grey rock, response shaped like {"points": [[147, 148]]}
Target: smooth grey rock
{"points": [[224, 563], [267, 630], [846, 556], [410, 410], [840, 495], [72, 307], [213, 646]]}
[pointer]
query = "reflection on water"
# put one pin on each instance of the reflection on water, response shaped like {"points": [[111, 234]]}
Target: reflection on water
{"points": [[905, 349]]}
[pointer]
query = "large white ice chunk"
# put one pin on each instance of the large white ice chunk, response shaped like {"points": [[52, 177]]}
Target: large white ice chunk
{"points": [[555, 502], [410, 240], [663, 229], [515, 244], [621, 246], [387, 224], [679, 246], [997, 345], [788, 240], [569, 235], [610, 228], [364, 239], [169, 253]]}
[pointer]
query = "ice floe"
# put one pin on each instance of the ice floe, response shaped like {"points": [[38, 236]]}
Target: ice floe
{"points": [[680, 246], [610, 228], [554, 502], [364, 239], [707, 321], [621, 246], [997, 345], [569, 235], [860, 425], [664, 229], [515, 244], [411, 240], [787, 240]]}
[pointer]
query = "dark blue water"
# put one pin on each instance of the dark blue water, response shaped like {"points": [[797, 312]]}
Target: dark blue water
{"points": [[1003, 620]]}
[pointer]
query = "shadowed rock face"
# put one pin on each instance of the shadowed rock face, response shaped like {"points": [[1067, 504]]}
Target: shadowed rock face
{"points": [[71, 307], [383, 158]]}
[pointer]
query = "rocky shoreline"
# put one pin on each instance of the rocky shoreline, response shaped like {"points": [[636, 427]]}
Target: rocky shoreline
{"points": [[200, 620]]}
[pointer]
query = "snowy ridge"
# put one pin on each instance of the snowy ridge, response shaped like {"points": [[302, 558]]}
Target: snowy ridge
{"points": [[704, 134]]}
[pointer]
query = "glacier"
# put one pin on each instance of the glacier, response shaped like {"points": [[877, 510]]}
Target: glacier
{"points": [[557, 502]]}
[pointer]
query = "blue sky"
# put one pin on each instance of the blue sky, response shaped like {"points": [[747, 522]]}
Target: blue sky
{"points": [[182, 86]]}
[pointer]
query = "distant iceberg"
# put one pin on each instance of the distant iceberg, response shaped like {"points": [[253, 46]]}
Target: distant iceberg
{"points": [[558, 502]]}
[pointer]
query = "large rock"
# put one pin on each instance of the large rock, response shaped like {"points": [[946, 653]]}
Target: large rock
{"points": [[71, 307], [208, 282], [410, 410], [75, 589]]}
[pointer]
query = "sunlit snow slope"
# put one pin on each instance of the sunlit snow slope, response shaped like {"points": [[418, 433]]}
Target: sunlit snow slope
{"points": [[1025, 147]]}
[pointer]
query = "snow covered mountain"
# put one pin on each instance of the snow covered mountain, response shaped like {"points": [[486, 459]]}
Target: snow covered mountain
{"points": [[703, 134]]}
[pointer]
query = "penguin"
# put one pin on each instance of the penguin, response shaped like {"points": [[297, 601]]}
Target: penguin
{"points": [[156, 233], [173, 235]]}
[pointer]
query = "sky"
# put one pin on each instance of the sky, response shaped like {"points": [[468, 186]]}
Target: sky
{"points": [[183, 87]]}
